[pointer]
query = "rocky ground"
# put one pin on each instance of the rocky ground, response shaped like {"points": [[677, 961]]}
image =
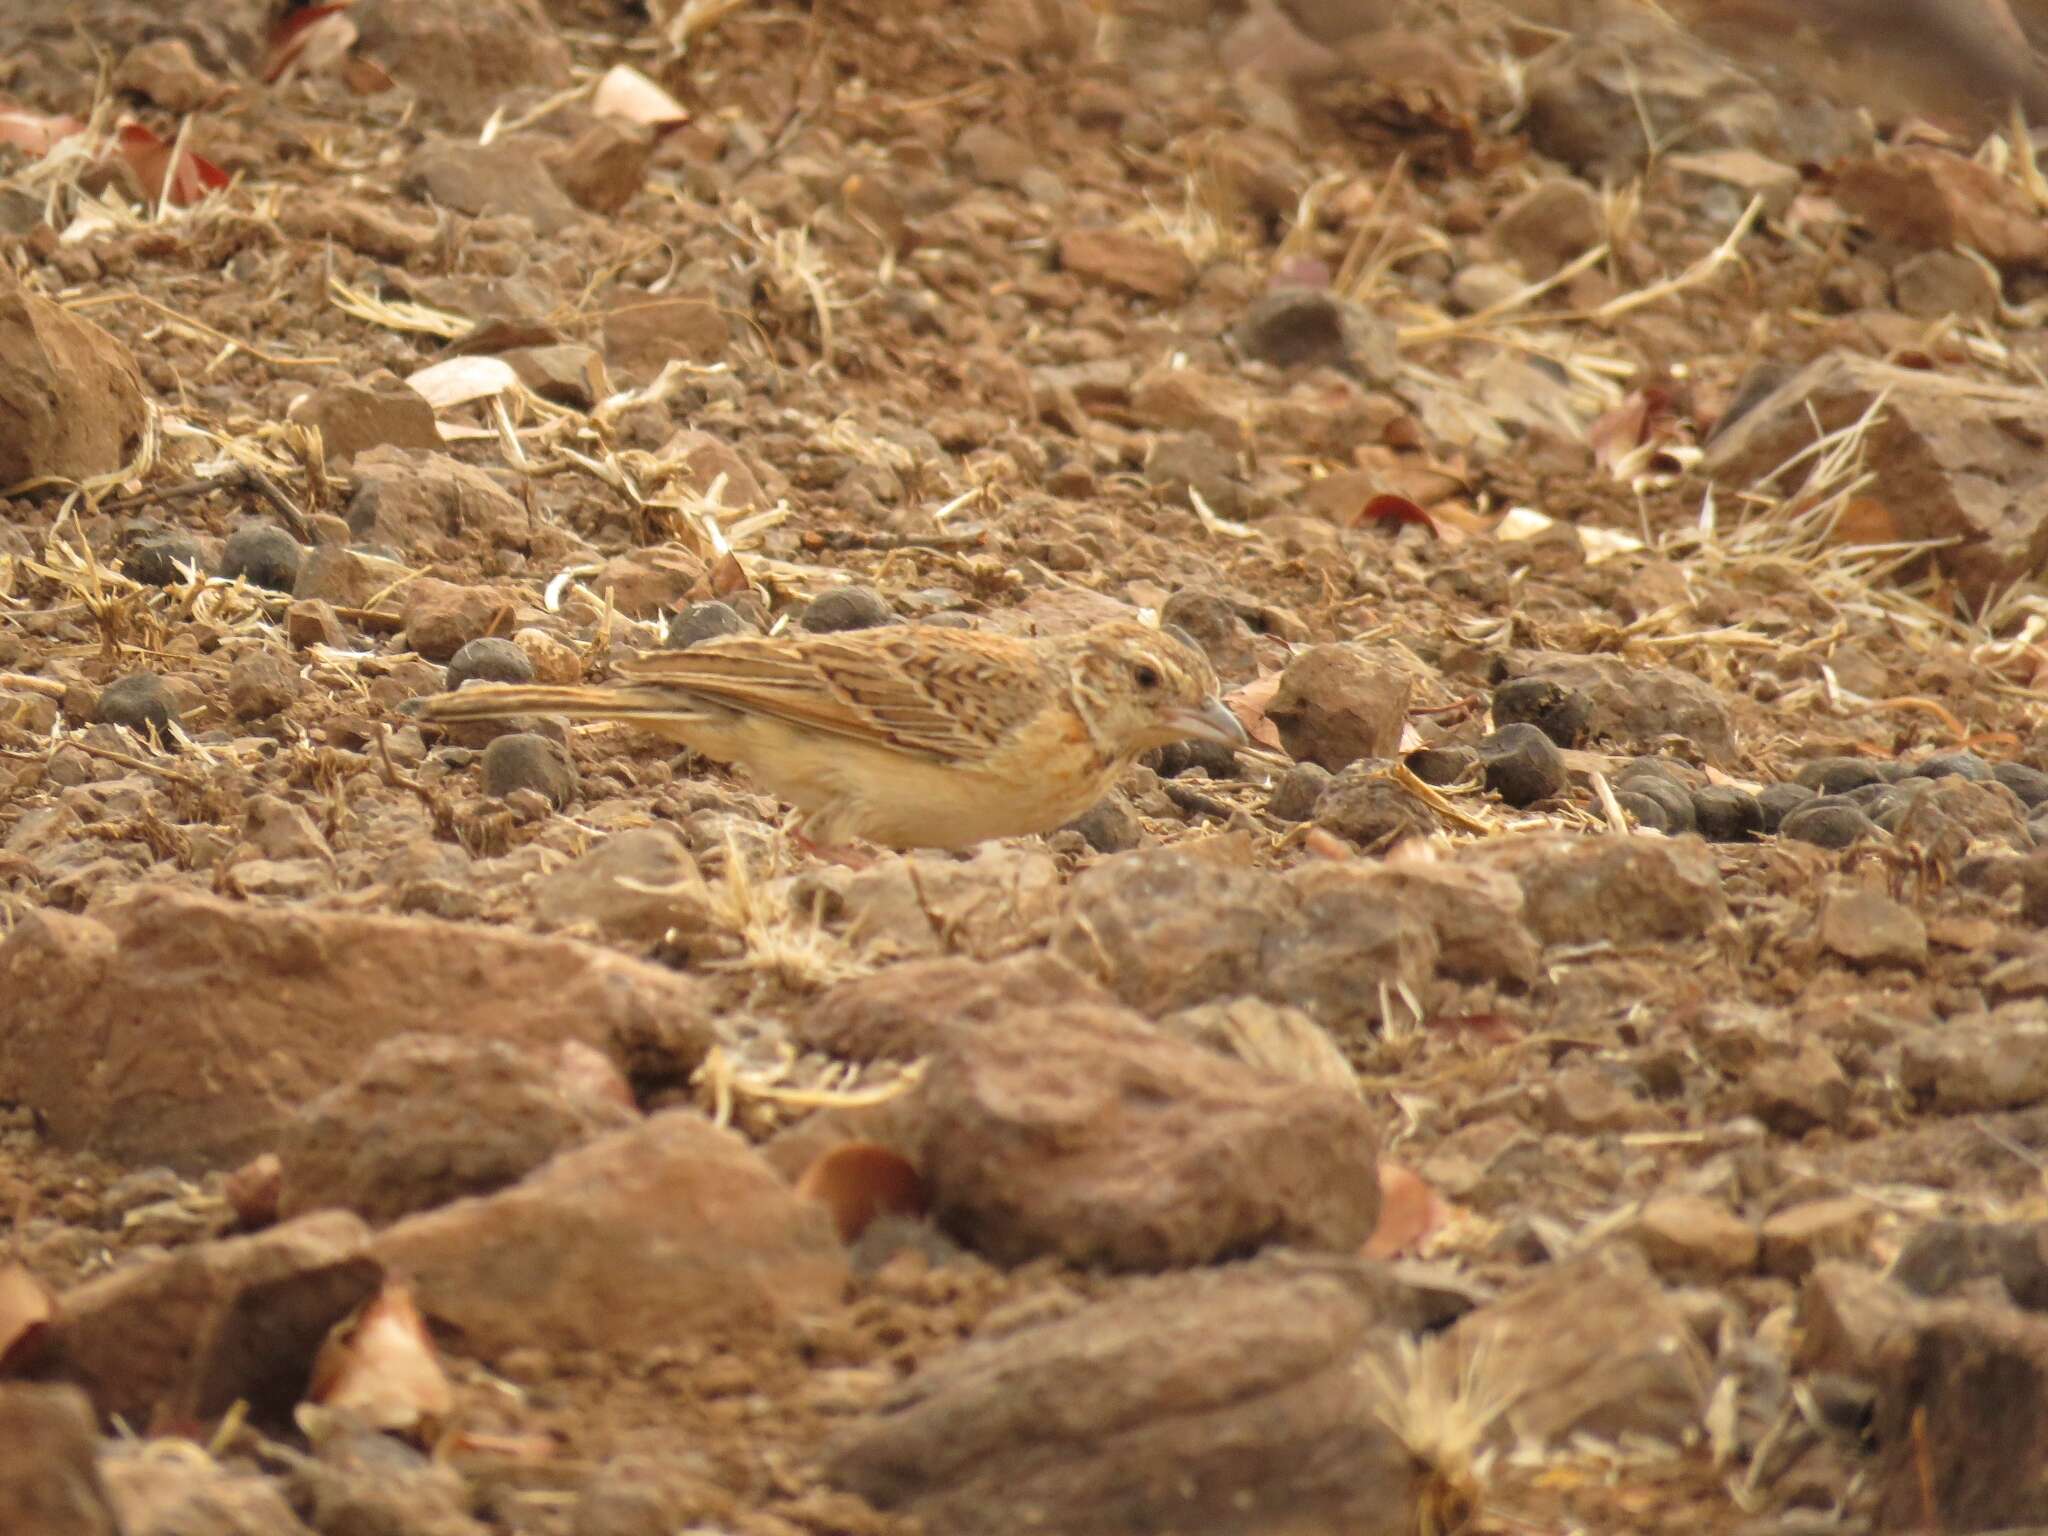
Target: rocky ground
{"points": [[1585, 1068]]}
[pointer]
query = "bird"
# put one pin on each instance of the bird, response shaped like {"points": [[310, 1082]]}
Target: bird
{"points": [[905, 736]]}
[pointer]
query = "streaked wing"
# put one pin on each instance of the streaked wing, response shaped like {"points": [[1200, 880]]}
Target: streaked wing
{"points": [[942, 694]]}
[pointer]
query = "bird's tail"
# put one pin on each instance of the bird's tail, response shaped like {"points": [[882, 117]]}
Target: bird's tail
{"points": [[499, 701]]}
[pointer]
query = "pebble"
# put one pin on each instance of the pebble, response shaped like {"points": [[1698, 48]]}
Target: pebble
{"points": [[154, 562], [1443, 766], [846, 608], [1827, 823], [1962, 765], [1210, 623], [1725, 814], [1108, 826], [1676, 800], [1560, 713], [1646, 811], [1838, 775], [263, 555], [2030, 784], [1371, 810], [140, 700], [1777, 801], [1177, 757], [704, 621], [1294, 797], [526, 761], [491, 660], [1522, 765], [262, 683]]}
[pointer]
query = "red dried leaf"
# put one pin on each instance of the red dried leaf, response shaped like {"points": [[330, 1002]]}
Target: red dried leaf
{"points": [[1396, 510], [150, 158], [859, 1181], [1249, 705]]}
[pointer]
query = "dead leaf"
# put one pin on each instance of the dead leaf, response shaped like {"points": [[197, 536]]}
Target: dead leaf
{"points": [[859, 1181], [1249, 705], [379, 1364], [36, 133], [156, 163], [27, 1309], [1395, 511], [458, 380], [627, 94], [1409, 1213], [308, 41]]}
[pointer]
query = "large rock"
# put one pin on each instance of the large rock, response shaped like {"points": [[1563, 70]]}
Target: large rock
{"points": [[1634, 705], [428, 506], [1229, 1402], [911, 1008], [70, 397], [1084, 1132], [178, 1028], [1165, 930], [1952, 459], [462, 59], [1339, 703], [624, 1244], [49, 1484], [1624, 890], [181, 1339], [432, 1118]]}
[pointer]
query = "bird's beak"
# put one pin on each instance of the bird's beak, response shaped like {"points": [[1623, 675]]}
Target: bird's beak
{"points": [[1209, 721]]}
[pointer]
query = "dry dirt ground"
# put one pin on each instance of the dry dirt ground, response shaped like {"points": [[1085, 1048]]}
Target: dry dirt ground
{"points": [[1606, 474]]}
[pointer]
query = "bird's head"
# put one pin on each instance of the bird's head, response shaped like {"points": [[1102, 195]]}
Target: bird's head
{"points": [[1138, 688]]}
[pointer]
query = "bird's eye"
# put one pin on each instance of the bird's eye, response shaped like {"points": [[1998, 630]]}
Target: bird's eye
{"points": [[1146, 676]]}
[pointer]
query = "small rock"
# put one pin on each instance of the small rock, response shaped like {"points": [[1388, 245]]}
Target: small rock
{"points": [[1688, 1237], [164, 71], [1444, 766], [1646, 812], [1522, 765], [1033, 1135], [262, 555], [1550, 225], [429, 506], [1593, 1346], [567, 373], [491, 660], [1237, 1390], [2029, 784], [1309, 327], [1777, 801], [704, 621], [608, 1244], [339, 575], [352, 418], [843, 608], [1108, 826], [526, 761], [1935, 284], [642, 338], [1179, 757], [1793, 1096], [69, 392], [1674, 799], [548, 660], [1212, 623], [155, 561], [442, 617], [263, 683], [1625, 890], [1296, 792], [49, 1482], [1839, 775], [606, 166], [645, 583], [309, 622], [142, 702], [1961, 765], [1827, 824], [1559, 713], [427, 1119], [506, 176], [185, 1336], [1371, 810], [1800, 1236], [1178, 463], [1866, 927], [1725, 814], [634, 885], [1637, 704], [1131, 262], [907, 1010], [1336, 704], [1969, 1065]]}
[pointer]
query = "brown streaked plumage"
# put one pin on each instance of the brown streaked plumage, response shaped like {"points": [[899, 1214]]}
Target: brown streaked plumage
{"points": [[912, 736]]}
